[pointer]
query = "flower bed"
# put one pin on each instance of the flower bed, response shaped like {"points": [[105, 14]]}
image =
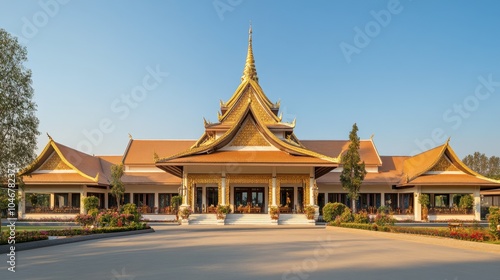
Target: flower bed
{"points": [[470, 234]]}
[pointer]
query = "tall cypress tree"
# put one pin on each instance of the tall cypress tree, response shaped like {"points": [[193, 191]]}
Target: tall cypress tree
{"points": [[353, 172]]}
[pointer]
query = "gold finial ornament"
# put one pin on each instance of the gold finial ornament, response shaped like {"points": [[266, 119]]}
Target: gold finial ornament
{"points": [[250, 72], [48, 135], [130, 136]]}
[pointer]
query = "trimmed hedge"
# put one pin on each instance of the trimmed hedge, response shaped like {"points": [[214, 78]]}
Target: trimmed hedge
{"points": [[470, 234], [26, 236]]}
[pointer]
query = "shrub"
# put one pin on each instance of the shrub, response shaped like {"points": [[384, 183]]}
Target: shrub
{"points": [[362, 218], [494, 221], [131, 208], [85, 220], [175, 202], [332, 210], [310, 212], [383, 209], [423, 199], [90, 202], [466, 201], [346, 216], [384, 219]]}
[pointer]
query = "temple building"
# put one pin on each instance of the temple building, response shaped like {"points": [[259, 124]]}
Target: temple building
{"points": [[250, 159]]}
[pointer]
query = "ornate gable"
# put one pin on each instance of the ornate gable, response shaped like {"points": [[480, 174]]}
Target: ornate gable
{"points": [[54, 162], [444, 164], [232, 115], [249, 135]]}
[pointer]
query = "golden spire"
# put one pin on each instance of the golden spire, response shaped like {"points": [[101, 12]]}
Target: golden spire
{"points": [[250, 72]]}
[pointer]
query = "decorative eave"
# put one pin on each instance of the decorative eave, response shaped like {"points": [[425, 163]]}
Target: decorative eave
{"points": [[228, 136], [45, 154], [252, 90], [412, 170]]}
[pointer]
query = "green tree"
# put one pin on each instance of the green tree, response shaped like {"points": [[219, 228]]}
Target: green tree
{"points": [[118, 189], [18, 123], [486, 166], [353, 169]]}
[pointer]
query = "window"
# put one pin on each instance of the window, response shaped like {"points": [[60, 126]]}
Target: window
{"points": [[391, 200], [144, 199], [112, 200], [440, 200], [212, 196], [61, 200], [339, 197], [370, 200], [75, 200]]}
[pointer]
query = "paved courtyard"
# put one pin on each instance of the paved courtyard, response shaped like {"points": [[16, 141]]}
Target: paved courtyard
{"points": [[230, 252]]}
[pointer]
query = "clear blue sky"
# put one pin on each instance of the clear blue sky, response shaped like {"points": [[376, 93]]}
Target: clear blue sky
{"points": [[413, 79]]}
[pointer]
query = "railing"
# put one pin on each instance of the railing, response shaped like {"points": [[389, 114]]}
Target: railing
{"points": [[372, 210], [449, 211], [55, 210]]}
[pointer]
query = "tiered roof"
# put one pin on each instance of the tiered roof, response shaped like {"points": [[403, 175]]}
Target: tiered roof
{"points": [[248, 120]]}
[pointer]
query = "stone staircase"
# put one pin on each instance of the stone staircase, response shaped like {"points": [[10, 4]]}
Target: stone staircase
{"points": [[249, 219], [295, 219], [202, 219]]}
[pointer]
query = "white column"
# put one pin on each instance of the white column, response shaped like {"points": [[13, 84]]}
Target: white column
{"points": [[417, 206], [157, 202], [273, 191], [311, 191], [21, 207], [382, 199], [52, 200], [477, 204], [185, 198], [223, 188], [83, 194]]}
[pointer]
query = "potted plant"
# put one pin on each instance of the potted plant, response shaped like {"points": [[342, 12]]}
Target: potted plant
{"points": [[222, 211], [274, 212], [310, 212], [423, 199], [185, 212]]}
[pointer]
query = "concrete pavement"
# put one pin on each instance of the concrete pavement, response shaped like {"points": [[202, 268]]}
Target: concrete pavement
{"points": [[245, 252]]}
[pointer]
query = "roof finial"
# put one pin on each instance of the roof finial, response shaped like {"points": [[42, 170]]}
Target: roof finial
{"points": [[250, 72], [130, 136], [48, 135]]}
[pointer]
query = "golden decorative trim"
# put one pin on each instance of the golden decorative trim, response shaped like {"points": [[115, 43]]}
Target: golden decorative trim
{"points": [[234, 113], [302, 179], [194, 179], [249, 135], [54, 162], [444, 164]]}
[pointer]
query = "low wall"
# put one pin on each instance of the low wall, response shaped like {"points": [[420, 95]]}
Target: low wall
{"points": [[46, 216], [158, 217], [451, 217]]}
